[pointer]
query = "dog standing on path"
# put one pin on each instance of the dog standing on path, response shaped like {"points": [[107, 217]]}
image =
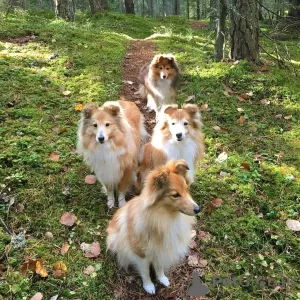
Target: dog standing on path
{"points": [[154, 228], [159, 81]]}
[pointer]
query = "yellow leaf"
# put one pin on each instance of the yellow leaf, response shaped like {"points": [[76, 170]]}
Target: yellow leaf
{"points": [[39, 269], [59, 269], [79, 107], [66, 93]]}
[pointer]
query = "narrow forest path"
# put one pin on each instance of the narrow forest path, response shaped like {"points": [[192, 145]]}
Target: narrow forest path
{"points": [[139, 52]]}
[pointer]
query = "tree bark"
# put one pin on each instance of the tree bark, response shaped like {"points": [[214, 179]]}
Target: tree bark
{"points": [[294, 11], [176, 7], [213, 13], [129, 7], [244, 30], [221, 29], [65, 9], [95, 6], [151, 7], [198, 9], [188, 8]]}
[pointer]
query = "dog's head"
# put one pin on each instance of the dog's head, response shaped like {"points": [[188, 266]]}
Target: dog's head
{"points": [[179, 122], [101, 123], [164, 66], [167, 187]]}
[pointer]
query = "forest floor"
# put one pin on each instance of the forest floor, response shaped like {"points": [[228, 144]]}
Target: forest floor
{"points": [[247, 185]]}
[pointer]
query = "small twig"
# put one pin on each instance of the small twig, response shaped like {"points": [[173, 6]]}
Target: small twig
{"points": [[280, 63], [5, 227]]}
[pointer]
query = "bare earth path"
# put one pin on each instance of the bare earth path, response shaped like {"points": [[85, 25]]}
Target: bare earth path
{"points": [[139, 52], [128, 286]]}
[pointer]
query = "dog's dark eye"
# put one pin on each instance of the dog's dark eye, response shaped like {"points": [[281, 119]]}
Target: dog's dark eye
{"points": [[160, 68], [185, 123], [168, 68], [95, 125], [176, 196], [107, 124], [173, 123]]}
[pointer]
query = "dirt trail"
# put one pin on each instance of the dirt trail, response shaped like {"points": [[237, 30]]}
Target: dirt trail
{"points": [[138, 53]]}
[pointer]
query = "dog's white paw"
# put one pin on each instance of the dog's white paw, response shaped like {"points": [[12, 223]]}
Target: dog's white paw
{"points": [[149, 288], [164, 280], [110, 203], [122, 202]]}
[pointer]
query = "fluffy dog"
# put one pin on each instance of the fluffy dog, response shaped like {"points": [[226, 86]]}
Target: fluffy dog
{"points": [[109, 140], [159, 81], [177, 135], [154, 228]]}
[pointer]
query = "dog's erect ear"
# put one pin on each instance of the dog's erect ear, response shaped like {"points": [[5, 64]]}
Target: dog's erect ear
{"points": [[191, 109], [112, 109], [88, 110], [169, 109], [171, 58], [160, 181], [181, 167]]}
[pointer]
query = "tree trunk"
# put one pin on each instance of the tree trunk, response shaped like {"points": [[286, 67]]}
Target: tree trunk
{"points": [[165, 8], [104, 4], [143, 8], [198, 9], [95, 6], [188, 8], [129, 7], [213, 14], [176, 7], [221, 29], [65, 9], [260, 15], [151, 7], [294, 11], [244, 30]]}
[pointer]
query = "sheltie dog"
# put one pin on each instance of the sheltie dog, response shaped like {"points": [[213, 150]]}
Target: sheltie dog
{"points": [[109, 140], [154, 228], [177, 135], [159, 81]]}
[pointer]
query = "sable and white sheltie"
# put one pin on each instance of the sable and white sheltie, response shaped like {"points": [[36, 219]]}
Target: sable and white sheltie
{"points": [[177, 135], [159, 81], [155, 227], [109, 140]]}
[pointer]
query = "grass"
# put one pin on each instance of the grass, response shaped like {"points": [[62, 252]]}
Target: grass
{"points": [[248, 234]]}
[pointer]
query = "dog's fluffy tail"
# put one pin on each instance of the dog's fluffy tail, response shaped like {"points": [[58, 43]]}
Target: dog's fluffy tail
{"points": [[144, 136]]}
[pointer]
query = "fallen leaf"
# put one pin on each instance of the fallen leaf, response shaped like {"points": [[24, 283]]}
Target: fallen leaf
{"points": [[224, 174], [65, 248], [202, 234], [90, 179], [128, 81], [193, 260], [88, 270], [59, 269], [66, 93], [245, 165], [66, 191], [54, 297], [265, 101], [19, 207], [293, 225], [250, 94], [222, 157], [288, 117], [190, 98], [68, 219], [54, 156], [40, 269], [202, 263], [90, 250], [279, 116], [242, 99], [216, 202], [192, 244], [78, 107], [217, 128], [37, 296], [204, 106], [193, 234], [228, 89], [226, 93], [242, 120], [240, 109]]}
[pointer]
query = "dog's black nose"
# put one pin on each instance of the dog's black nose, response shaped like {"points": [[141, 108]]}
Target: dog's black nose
{"points": [[179, 135], [164, 76], [101, 139], [196, 209]]}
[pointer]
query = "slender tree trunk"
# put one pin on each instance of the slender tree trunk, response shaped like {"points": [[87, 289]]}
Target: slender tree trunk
{"points": [[294, 11], [65, 9], [151, 7], [143, 8], [165, 8], [221, 29], [198, 9], [104, 4], [129, 7], [213, 14], [260, 15], [176, 7], [244, 30], [188, 8]]}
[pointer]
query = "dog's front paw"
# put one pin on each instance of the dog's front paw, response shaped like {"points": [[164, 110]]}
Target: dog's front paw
{"points": [[149, 288], [122, 202], [110, 203], [164, 280]]}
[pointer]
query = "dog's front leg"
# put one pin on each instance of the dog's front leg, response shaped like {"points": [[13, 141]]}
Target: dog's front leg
{"points": [[163, 279], [143, 268], [110, 197]]}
